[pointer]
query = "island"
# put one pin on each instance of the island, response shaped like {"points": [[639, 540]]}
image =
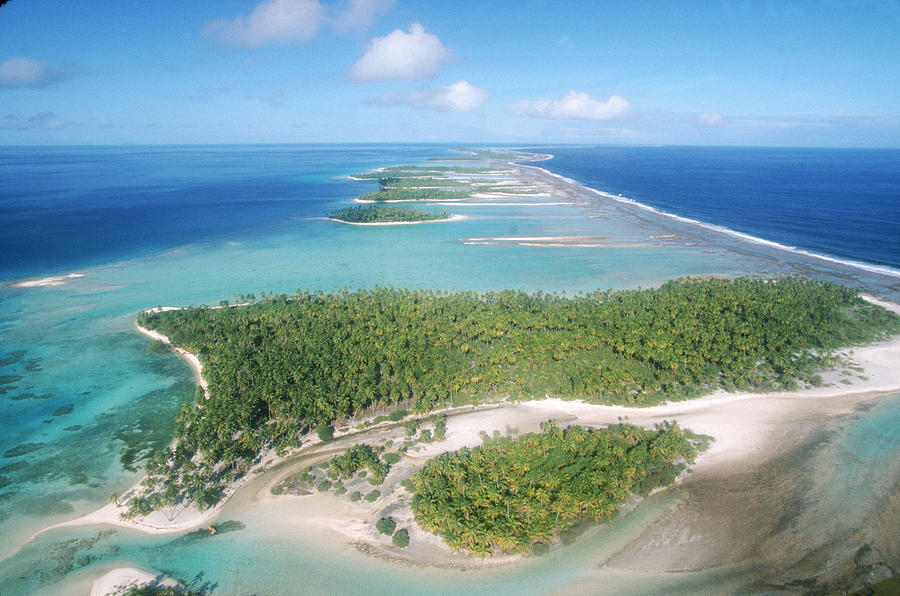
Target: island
{"points": [[285, 371], [373, 215]]}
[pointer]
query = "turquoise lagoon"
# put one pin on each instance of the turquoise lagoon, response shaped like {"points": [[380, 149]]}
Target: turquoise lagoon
{"points": [[84, 400]]}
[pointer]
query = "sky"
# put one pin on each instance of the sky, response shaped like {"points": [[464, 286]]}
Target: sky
{"points": [[726, 72]]}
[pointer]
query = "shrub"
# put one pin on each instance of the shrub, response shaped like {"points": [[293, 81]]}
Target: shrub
{"points": [[425, 436], [411, 426], [391, 458], [355, 496], [397, 415], [386, 526], [401, 538], [440, 426], [373, 496], [325, 432], [323, 486]]}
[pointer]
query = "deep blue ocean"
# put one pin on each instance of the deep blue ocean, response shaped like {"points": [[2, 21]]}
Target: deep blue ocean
{"points": [[68, 207], [83, 400], [843, 203]]}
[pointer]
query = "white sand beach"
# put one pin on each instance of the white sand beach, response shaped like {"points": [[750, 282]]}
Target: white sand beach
{"points": [[118, 581], [399, 223]]}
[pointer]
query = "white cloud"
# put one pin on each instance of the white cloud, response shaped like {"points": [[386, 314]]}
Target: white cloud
{"points": [[400, 55], [360, 14], [711, 119], [25, 72], [290, 21], [271, 22], [41, 120], [574, 106], [458, 97]]}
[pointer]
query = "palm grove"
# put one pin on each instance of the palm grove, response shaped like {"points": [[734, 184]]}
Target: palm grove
{"points": [[280, 366]]}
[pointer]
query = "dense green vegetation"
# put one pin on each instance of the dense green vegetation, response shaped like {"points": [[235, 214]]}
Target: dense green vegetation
{"points": [[356, 457], [382, 214], [513, 492], [386, 526], [389, 183], [277, 368], [400, 538], [414, 194], [406, 171]]}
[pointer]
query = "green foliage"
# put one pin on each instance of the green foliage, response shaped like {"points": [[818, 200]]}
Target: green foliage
{"points": [[405, 171], [414, 194], [397, 415], [512, 493], [391, 458], [355, 496], [279, 367], [440, 426], [358, 456], [323, 486], [381, 214], [373, 496], [325, 432], [411, 426], [386, 526], [400, 538]]}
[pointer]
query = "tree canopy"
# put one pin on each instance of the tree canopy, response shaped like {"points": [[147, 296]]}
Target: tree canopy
{"points": [[513, 492], [277, 367]]}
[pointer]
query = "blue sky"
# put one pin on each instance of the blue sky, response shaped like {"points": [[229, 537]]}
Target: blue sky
{"points": [[823, 73]]}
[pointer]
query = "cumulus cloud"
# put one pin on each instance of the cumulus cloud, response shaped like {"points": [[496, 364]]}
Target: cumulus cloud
{"points": [[400, 55], [41, 121], [574, 106], [271, 22], [360, 14], [458, 97], [25, 72], [286, 22], [710, 119]]}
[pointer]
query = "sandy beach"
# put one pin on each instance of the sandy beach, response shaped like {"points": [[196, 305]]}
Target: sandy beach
{"points": [[44, 282], [118, 581], [755, 436], [192, 359], [762, 469], [398, 223]]}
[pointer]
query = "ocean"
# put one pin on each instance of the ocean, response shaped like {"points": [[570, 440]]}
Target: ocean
{"points": [[84, 401], [843, 203]]}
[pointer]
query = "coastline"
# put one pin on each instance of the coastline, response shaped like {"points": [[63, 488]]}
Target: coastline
{"points": [[191, 358], [869, 268], [398, 223], [119, 580], [746, 428]]}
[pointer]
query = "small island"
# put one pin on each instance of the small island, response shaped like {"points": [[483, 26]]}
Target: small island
{"points": [[278, 369], [514, 493], [381, 215]]}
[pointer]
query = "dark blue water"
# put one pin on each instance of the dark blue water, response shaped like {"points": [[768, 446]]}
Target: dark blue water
{"points": [[67, 207], [843, 203]]}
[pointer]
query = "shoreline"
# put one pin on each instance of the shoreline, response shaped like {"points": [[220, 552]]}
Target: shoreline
{"points": [[738, 422], [122, 578], [882, 270], [398, 223], [191, 358]]}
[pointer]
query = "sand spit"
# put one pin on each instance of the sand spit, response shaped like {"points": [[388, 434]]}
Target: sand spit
{"points": [[399, 223], [44, 282], [119, 581]]}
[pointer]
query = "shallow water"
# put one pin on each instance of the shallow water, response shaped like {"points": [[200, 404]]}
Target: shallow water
{"points": [[85, 401]]}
